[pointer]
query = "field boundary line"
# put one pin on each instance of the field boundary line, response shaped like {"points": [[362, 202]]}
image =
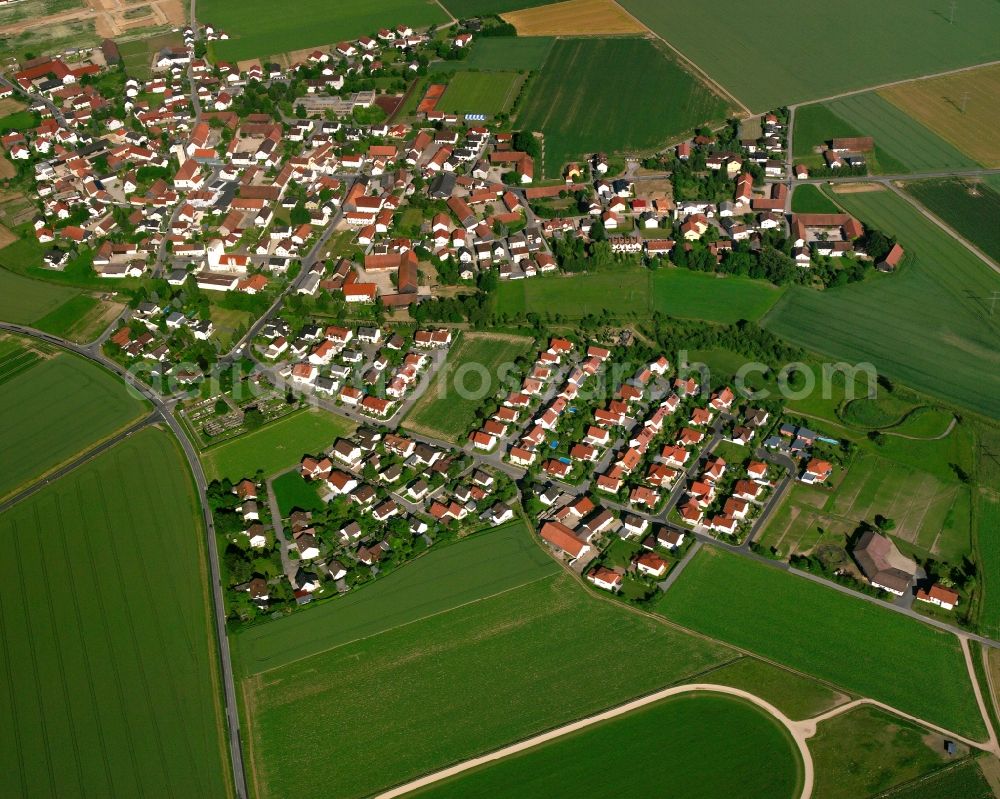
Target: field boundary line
{"points": [[945, 227], [876, 87], [407, 623], [701, 73]]}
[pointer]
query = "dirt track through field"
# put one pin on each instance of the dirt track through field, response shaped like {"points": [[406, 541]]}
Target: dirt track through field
{"points": [[798, 731], [109, 16]]}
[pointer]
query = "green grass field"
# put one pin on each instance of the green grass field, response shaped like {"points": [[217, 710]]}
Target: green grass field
{"points": [[796, 696], [108, 659], [971, 209], [987, 512], [761, 758], [474, 8], [841, 639], [636, 293], [480, 92], [19, 120], [502, 53], [137, 55], [56, 409], [455, 684], [700, 295], [940, 300], [24, 301], [477, 366], [866, 751], [293, 492], [822, 55], [932, 516], [258, 28], [964, 779], [902, 144], [623, 292], [449, 576], [587, 99], [809, 199], [275, 446]]}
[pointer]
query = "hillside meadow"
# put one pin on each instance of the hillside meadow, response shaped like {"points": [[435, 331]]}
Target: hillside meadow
{"points": [[843, 640], [823, 50], [109, 658], [587, 99], [929, 326]]}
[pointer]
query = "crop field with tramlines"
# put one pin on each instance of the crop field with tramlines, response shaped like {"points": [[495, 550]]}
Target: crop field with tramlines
{"points": [[588, 99], [108, 667]]}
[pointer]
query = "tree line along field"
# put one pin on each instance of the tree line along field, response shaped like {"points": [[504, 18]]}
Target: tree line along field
{"points": [[275, 446], [902, 144], [57, 408], [590, 97], [489, 653], [928, 326], [258, 28], [972, 208], [961, 108], [637, 293], [108, 667], [841, 639], [488, 93], [698, 730], [824, 51], [451, 575], [476, 366]]}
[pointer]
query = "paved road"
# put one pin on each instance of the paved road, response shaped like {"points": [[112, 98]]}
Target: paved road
{"points": [[242, 346], [163, 410]]}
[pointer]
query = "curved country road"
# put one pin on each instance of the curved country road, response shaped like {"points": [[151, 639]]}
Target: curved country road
{"points": [[798, 730]]}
